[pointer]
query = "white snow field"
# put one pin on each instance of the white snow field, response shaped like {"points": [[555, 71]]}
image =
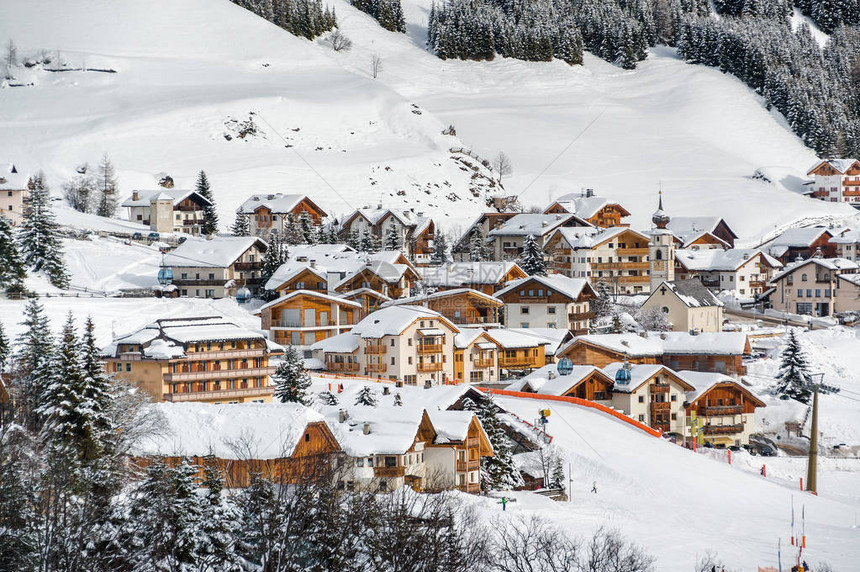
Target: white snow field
{"points": [[186, 69]]}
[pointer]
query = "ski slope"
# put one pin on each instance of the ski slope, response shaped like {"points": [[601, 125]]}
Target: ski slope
{"points": [[679, 504], [186, 70]]}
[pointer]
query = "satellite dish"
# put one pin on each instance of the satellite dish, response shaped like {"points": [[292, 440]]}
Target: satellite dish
{"points": [[565, 366]]}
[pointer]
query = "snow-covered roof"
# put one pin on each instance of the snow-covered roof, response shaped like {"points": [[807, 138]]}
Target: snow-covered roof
{"points": [[548, 381], [374, 215], [840, 165], [450, 425], [12, 179], [391, 273], [584, 237], [289, 271], [583, 206], [277, 203], [510, 338], [847, 236], [237, 431], [705, 343], [639, 374], [833, 264], [691, 292], [633, 345], [218, 252], [570, 287], [702, 381], [459, 273], [799, 237], [467, 337], [716, 259], [338, 344], [391, 434], [526, 224], [445, 294], [313, 294], [689, 228], [365, 291], [392, 321], [144, 197], [852, 278]]}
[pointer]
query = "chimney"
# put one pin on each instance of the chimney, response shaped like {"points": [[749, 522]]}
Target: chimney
{"points": [[428, 384], [625, 343], [386, 390], [135, 195], [589, 193], [544, 224], [313, 263], [379, 206], [342, 416], [366, 429], [420, 214]]}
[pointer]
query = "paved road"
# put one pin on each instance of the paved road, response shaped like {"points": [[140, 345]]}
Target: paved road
{"points": [[769, 319]]}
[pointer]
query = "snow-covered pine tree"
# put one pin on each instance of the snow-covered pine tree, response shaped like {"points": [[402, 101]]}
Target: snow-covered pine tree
{"points": [[353, 240], [440, 249], [369, 243], [328, 398], [210, 215], [260, 521], [477, 246], [107, 187], [393, 239], [602, 305], [793, 378], [292, 231], [20, 468], [499, 470], [241, 226], [291, 378], [216, 540], [5, 349], [12, 270], [398, 401], [32, 360], [366, 397], [37, 237], [557, 480], [654, 320], [273, 258], [532, 260], [97, 395], [308, 230]]}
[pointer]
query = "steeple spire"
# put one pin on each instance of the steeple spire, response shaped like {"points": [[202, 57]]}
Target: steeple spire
{"points": [[660, 218]]}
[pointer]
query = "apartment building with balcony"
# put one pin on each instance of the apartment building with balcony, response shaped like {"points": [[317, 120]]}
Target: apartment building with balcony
{"points": [[553, 301], [301, 318], [508, 238], [216, 267], [723, 409], [745, 271], [14, 191], [817, 287], [391, 280], [616, 257], [801, 243], [462, 306], [597, 210], [275, 212], [167, 209], [652, 394], [207, 359], [476, 357], [487, 277], [836, 181]]}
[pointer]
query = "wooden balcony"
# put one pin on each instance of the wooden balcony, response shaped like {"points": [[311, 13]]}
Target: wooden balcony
{"points": [[225, 354], [244, 266], [719, 410], [429, 366], [723, 429], [481, 363], [659, 388], [619, 265], [389, 472], [375, 367], [463, 466], [660, 407], [642, 251], [580, 316], [192, 222], [472, 443], [225, 394], [236, 373], [375, 349], [429, 348], [518, 362], [342, 366]]}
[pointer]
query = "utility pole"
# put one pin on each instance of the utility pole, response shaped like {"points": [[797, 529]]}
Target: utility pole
{"points": [[811, 469]]}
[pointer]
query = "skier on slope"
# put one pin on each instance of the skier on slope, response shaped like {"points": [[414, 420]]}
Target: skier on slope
{"points": [[594, 487]]}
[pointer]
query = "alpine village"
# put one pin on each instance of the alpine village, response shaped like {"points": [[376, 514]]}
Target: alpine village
{"points": [[265, 308]]}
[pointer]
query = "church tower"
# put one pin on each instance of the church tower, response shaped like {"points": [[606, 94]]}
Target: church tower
{"points": [[661, 249]]}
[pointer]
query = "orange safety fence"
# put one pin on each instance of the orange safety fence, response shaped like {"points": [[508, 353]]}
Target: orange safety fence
{"points": [[577, 401]]}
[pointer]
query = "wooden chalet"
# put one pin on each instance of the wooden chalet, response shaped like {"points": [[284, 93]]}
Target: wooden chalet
{"points": [[599, 211], [584, 382], [277, 211], [370, 300], [461, 306], [303, 317], [724, 408], [603, 349]]}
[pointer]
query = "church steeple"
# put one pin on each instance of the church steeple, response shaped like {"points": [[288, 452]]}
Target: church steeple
{"points": [[660, 218]]}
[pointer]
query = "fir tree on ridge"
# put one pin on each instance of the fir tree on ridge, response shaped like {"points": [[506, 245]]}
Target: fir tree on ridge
{"points": [[210, 216]]}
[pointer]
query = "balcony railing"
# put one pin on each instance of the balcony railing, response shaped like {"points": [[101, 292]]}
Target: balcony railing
{"points": [[520, 361], [723, 429], [484, 362], [389, 472], [342, 366], [376, 367], [471, 443], [375, 349], [463, 466], [247, 265], [718, 410], [218, 394], [192, 222], [303, 324], [660, 406], [659, 388], [429, 348], [430, 366], [642, 251], [224, 354], [580, 316], [175, 377]]}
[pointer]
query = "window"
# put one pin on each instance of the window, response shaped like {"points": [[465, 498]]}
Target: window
{"points": [[409, 342], [641, 399], [370, 461], [673, 397], [550, 310], [392, 342], [641, 417], [409, 360], [128, 367], [809, 292], [674, 417], [818, 292], [803, 277], [390, 461], [524, 324], [799, 293], [392, 360], [524, 309]]}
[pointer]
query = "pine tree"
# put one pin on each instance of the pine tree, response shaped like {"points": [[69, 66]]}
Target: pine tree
{"points": [[5, 349], [366, 397], [241, 226], [557, 481], [477, 246], [218, 519], [210, 216], [499, 470], [96, 393], [291, 378], [793, 378], [33, 360], [602, 305], [12, 270], [393, 239], [274, 257], [306, 226], [398, 401], [440, 249], [107, 187], [260, 521], [532, 260], [328, 398], [37, 237]]}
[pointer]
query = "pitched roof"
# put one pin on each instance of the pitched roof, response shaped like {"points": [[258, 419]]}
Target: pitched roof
{"points": [[686, 227], [840, 165], [176, 195], [691, 292], [705, 343], [584, 206], [12, 179], [640, 374], [549, 381], [526, 224], [393, 320], [445, 294], [313, 294], [703, 381], [460, 273], [834, 264], [799, 237], [338, 344], [570, 287], [716, 259], [266, 430], [291, 270], [219, 252], [633, 345], [277, 203]]}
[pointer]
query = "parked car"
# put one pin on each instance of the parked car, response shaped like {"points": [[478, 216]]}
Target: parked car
{"points": [[137, 236], [153, 236]]}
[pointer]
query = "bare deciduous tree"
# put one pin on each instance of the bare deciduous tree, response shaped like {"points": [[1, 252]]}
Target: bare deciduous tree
{"points": [[502, 165], [375, 65], [338, 41], [11, 54]]}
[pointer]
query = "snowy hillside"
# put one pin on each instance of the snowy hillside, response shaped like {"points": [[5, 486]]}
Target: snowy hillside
{"points": [[188, 73]]}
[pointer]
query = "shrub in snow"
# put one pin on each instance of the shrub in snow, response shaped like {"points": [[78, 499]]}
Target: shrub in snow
{"points": [[366, 397], [338, 41]]}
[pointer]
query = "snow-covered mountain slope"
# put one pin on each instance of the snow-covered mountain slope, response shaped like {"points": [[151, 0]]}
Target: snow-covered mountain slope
{"points": [[188, 72]]}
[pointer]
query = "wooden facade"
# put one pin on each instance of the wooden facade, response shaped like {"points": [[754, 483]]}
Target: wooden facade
{"points": [[308, 279], [585, 353], [728, 364], [370, 300], [463, 307], [305, 317]]}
